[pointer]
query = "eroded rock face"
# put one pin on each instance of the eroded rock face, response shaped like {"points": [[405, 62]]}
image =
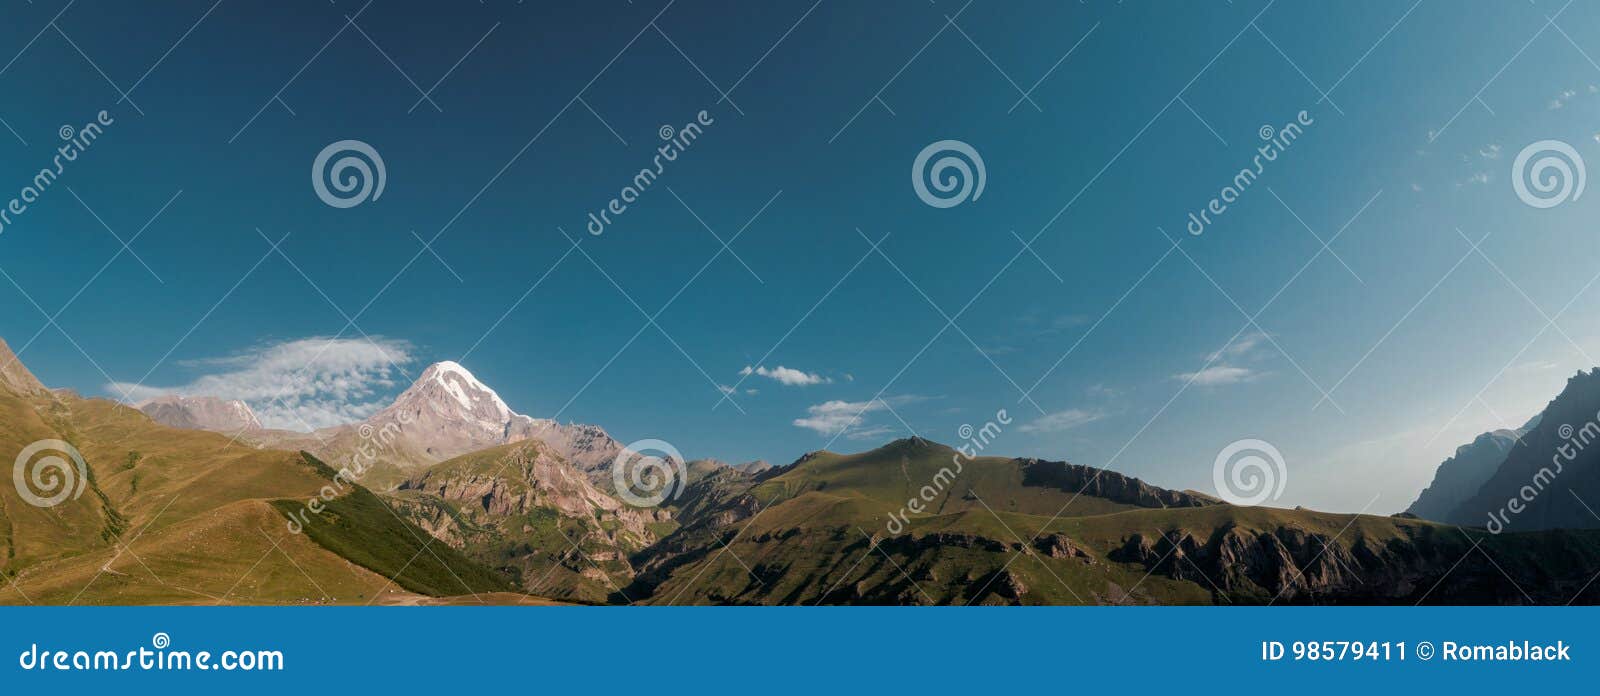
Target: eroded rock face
{"points": [[1060, 546], [525, 510], [530, 477], [1288, 564], [1100, 483]]}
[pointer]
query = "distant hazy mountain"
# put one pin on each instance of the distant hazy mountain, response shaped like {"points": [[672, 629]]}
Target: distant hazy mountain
{"points": [[201, 413], [1551, 477], [1460, 477]]}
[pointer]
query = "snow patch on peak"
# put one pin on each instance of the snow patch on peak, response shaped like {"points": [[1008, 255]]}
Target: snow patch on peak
{"points": [[458, 389]]}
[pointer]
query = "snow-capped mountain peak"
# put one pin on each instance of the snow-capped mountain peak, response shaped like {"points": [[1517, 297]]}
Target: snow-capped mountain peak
{"points": [[465, 388]]}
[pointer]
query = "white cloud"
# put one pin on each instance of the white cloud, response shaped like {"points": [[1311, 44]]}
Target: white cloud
{"points": [[786, 376], [848, 418], [1222, 366], [292, 385], [1061, 420], [1218, 375], [1240, 347]]}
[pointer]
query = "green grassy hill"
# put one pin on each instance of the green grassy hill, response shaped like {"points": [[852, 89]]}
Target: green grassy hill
{"points": [[1010, 532], [185, 516]]}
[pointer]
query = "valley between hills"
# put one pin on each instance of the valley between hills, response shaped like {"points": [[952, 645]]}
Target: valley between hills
{"points": [[448, 496]]}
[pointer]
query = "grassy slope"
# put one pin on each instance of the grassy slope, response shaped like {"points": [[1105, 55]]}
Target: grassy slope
{"points": [[882, 480], [195, 514]]}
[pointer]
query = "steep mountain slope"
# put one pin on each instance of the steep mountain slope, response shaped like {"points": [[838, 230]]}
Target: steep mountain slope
{"points": [[822, 531], [201, 413], [1460, 477], [523, 509], [162, 515], [1551, 477], [15, 376]]}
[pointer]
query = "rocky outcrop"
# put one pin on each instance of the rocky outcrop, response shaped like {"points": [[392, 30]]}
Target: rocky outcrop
{"points": [[755, 468], [1060, 546], [525, 510], [1101, 483], [527, 477]]}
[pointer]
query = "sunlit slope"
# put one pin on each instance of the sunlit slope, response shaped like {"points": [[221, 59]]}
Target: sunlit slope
{"points": [[185, 516], [821, 535]]}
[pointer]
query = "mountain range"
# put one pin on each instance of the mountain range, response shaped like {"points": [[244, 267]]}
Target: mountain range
{"points": [[449, 496], [1544, 475]]}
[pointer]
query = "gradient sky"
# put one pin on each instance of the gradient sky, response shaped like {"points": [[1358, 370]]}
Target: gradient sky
{"points": [[1421, 341]]}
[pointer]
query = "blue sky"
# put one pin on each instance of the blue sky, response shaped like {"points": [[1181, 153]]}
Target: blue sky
{"points": [[1120, 342]]}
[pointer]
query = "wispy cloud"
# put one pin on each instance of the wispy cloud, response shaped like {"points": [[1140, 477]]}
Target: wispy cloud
{"points": [[785, 375], [1242, 346], [294, 385], [1218, 375], [1061, 420], [1223, 364], [1561, 99], [849, 418]]}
